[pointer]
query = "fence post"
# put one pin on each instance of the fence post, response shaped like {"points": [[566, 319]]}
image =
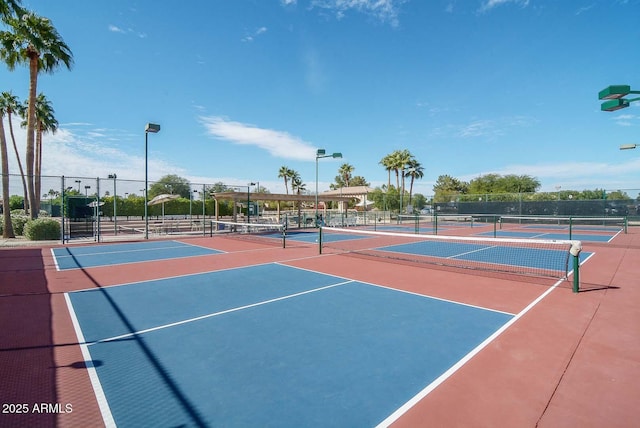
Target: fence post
{"points": [[62, 191]]}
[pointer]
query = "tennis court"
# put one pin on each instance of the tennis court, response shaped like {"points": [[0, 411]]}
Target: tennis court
{"points": [[269, 344], [134, 252], [348, 328]]}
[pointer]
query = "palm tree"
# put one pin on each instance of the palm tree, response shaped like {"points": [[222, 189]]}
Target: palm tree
{"points": [[7, 227], [414, 170], [45, 122], [10, 104], [345, 172], [9, 8], [402, 158], [387, 163], [33, 40], [285, 173]]}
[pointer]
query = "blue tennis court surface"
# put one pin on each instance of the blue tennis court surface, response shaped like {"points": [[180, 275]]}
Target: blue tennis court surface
{"points": [[313, 236], [536, 258], [268, 345], [113, 254], [558, 236]]}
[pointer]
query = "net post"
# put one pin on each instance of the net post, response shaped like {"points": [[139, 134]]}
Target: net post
{"points": [[495, 221], [576, 248], [320, 240], [570, 227], [626, 224], [416, 225], [576, 274], [435, 222], [284, 237]]}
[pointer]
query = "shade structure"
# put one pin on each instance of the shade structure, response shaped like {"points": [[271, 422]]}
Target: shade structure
{"points": [[161, 199]]}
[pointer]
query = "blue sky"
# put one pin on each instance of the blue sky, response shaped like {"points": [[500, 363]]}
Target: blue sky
{"points": [[243, 87]]}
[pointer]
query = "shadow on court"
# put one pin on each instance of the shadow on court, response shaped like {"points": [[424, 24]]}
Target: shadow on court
{"points": [[27, 366], [180, 398]]}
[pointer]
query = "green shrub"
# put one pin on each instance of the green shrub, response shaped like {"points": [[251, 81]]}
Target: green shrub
{"points": [[18, 222], [42, 229]]}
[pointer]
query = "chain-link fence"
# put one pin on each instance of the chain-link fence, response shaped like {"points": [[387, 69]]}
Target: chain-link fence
{"points": [[96, 208], [108, 208], [609, 203]]}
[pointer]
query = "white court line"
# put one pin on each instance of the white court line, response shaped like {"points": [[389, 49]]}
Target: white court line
{"points": [[173, 324], [433, 385], [107, 417], [413, 293], [126, 251]]}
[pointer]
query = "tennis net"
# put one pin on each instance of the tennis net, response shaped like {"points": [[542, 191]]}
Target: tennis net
{"points": [[531, 257], [569, 225], [441, 222], [267, 233]]}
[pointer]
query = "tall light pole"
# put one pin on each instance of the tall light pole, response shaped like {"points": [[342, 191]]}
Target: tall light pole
{"points": [[321, 153], [115, 204], [153, 128], [249, 201]]}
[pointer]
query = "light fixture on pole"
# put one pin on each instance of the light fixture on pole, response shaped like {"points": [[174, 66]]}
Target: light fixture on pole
{"points": [[614, 96], [321, 153], [628, 146], [153, 128]]}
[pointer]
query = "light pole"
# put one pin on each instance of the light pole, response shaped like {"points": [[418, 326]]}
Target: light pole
{"points": [[115, 204], [249, 201], [153, 128], [321, 153], [78, 182], [614, 96]]}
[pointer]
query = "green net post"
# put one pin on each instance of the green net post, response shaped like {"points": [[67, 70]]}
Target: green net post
{"points": [[435, 222], [320, 240], [570, 227], [284, 237], [416, 221], [495, 222], [626, 224], [576, 248], [576, 274]]}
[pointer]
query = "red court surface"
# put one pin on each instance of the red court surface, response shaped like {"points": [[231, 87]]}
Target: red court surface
{"points": [[570, 360]]}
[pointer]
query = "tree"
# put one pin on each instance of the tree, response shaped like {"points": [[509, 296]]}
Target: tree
{"points": [[11, 104], [171, 184], [387, 163], [496, 183], [7, 230], [447, 187], [10, 8], [45, 122], [414, 170], [286, 174], [345, 172], [33, 40]]}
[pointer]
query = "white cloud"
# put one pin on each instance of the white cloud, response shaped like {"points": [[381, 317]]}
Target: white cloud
{"points": [[383, 10], [490, 4], [251, 37], [288, 2], [116, 29], [279, 144]]}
